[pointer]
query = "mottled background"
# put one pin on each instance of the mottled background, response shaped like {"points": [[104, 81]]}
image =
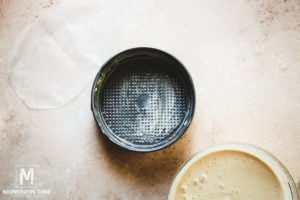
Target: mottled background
{"points": [[244, 58]]}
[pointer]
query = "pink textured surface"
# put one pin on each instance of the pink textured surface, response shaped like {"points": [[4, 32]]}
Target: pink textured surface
{"points": [[244, 58]]}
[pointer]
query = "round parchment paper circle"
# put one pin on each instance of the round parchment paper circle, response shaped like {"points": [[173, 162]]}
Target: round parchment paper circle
{"points": [[57, 56]]}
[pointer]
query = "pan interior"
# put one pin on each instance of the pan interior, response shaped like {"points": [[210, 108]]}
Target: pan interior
{"points": [[144, 101]]}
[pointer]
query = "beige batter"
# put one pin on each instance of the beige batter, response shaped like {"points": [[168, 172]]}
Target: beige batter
{"points": [[228, 175]]}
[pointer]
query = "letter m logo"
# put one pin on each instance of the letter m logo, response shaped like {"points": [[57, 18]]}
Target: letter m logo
{"points": [[25, 175]]}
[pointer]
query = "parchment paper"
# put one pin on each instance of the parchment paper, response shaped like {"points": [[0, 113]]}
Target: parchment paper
{"points": [[55, 57]]}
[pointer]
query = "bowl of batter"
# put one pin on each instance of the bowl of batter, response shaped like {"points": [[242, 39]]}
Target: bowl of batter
{"points": [[233, 171]]}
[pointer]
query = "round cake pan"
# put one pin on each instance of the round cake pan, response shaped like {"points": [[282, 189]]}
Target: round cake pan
{"points": [[143, 99]]}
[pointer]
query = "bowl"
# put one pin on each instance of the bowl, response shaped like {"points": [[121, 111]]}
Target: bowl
{"points": [[233, 171]]}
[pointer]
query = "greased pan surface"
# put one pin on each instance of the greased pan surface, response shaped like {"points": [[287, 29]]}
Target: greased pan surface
{"points": [[143, 99]]}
